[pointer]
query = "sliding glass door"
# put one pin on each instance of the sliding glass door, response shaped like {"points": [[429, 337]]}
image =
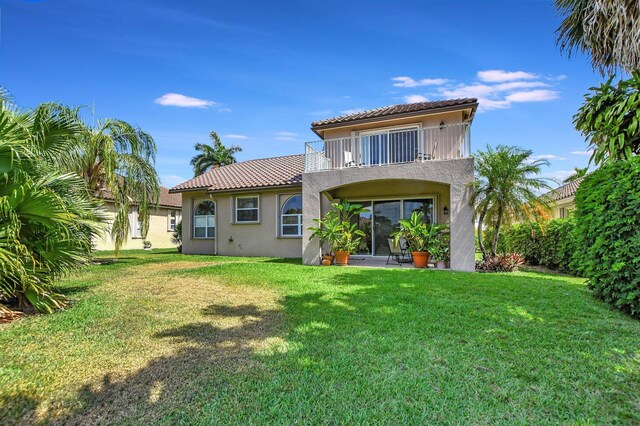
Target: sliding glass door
{"points": [[381, 218]]}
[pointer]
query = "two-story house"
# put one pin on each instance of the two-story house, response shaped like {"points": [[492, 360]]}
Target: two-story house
{"points": [[392, 160]]}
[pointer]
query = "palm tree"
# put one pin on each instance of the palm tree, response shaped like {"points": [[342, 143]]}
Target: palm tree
{"points": [[605, 29], [577, 174], [116, 161], [48, 217], [506, 189], [216, 155]]}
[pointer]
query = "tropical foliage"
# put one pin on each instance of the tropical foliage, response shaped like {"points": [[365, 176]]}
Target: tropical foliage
{"points": [[337, 228], [176, 236], [48, 216], [116, 159], [216, 155], [506, 189], [578, 172], [606, 30], [609, 120], [608, 234], [419, 235]]}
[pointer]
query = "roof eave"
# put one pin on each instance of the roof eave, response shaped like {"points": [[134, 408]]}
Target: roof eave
{"points": [[253, 188], [472, 106]]}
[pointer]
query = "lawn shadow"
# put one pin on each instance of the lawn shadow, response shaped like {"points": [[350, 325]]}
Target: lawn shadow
{"points": [[166, 384]]}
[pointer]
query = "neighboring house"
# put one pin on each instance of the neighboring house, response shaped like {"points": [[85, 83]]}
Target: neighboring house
{"points": [[392, 160], [562, 199], [162, 223]]}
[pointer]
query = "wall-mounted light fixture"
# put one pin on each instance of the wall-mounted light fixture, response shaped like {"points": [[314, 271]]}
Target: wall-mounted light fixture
{"points": [[442, 125], [445, 210], [230, 239]]}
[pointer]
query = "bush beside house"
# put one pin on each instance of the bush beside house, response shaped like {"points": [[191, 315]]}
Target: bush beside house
{"points": [[608, 234], [550, 244]]}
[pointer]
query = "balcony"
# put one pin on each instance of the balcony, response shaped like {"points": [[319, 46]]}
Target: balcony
{"points": [[380, 148]]}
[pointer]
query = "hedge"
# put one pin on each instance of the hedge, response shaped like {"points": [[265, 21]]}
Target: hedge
{"points": [[608, 234], [549, 244]]}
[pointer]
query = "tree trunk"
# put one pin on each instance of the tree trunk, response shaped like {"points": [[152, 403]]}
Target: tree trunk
{"points": [[480, 242], [496, 235]]}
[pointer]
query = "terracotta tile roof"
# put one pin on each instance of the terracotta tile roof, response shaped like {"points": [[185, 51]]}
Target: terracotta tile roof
{"points": [[565, 191], [264, 172], [396, 110], [166, 199], [169, 200]]}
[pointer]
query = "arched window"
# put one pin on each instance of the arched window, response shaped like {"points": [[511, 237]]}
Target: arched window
{"points": [[291, 217], [204, 220]]}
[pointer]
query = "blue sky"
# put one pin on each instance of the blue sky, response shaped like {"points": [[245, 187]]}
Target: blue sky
{"points": [[260, 72]]}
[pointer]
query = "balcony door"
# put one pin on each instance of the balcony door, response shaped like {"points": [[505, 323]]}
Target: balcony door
{"points": [[389, 146]]}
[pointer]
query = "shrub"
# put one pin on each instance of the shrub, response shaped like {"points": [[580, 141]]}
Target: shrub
{"points": [[608, 234], [507, 262], [176, 236]]}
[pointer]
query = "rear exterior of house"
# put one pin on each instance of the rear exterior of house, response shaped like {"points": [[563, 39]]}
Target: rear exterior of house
{"points": [[562, 199], [162, 222], [392, 160]]}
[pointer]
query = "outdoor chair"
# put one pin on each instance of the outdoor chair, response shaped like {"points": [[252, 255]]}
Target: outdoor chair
{"points": [[398, 252]]}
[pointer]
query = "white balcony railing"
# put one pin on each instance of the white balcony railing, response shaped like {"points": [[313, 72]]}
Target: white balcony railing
{"points": [[390, 147]]}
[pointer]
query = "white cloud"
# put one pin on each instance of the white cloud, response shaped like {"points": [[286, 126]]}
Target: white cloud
{"points": [[178, 100], [498, 76], [410, 82], [532, 96], [172, 180], [547, 157], [224, 110], [559, 175], [589, 152], [286, 136], [352, 111], [520, 85], [410, 99], [322, 112], [232, 136]]}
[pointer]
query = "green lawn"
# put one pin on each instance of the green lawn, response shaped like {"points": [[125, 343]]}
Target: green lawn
{"points": [[163, 338]]}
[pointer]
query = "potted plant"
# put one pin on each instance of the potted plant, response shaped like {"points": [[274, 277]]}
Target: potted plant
{"points": [[419, 237], [146, 244], [439, 251], [337, 231]]}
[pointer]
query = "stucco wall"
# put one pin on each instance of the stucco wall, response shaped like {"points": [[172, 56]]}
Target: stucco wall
{"points": [[158, 234], [568, 204], [454, 174], [260, 239]]}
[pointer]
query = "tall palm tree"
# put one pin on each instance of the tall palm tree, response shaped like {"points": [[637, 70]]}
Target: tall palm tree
{"points": [[216, 155], [607, 30], [48, 217], [117, 160], [506, 189], [577, 174]]}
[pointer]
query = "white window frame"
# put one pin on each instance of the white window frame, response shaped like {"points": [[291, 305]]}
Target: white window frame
{"points": [[236, 209], [134, 224], [206, 228], [283, 215], [172, 214]]}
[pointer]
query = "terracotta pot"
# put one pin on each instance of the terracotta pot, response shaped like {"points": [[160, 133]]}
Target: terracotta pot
{"points": [[420, 259], [328, 258], [441, 264], [342, 258]]}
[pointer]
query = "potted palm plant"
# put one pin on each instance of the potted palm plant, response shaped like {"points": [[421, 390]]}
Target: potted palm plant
{"points": [[419, 237], [337, 231]]}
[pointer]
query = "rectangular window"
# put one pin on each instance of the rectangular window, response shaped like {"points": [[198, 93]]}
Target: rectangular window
{"points": [[173, 220], [247, 209], [563, 213]]}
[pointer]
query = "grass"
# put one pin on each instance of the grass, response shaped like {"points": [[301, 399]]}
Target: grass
{"points": [[163, 338]]}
